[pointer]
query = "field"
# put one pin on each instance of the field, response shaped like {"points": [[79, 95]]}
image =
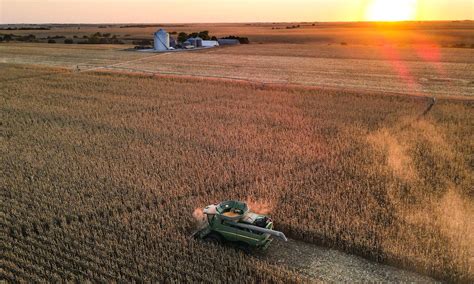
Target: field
{"points": [[363, 148]]}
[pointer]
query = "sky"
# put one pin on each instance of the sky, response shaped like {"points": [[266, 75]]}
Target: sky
{"points": [[211, 11]]}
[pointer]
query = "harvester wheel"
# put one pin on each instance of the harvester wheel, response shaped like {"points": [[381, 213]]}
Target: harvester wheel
{"points": [[213, 239]]}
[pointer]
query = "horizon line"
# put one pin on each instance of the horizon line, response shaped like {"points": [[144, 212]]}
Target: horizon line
{"points": [[233, 22]]}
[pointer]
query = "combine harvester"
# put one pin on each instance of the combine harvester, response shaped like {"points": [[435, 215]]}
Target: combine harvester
{"points": [[232, 222]]}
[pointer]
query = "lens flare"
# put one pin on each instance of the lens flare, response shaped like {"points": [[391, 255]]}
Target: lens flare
{"points": [[390, 10]]}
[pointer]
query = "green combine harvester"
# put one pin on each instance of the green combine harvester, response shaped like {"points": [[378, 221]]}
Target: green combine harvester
{"points": [[232, 222]]}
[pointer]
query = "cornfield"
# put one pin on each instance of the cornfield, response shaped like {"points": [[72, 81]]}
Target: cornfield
{"points": [[101, 174]]}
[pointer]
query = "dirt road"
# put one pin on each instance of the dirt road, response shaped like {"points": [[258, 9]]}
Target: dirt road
{"points": [[329, 265]]}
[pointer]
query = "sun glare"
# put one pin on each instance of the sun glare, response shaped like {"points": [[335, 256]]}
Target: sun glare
{"points": [[390, 10]]}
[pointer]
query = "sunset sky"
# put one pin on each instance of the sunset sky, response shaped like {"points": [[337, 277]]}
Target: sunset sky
{"points": [[185, 11]]}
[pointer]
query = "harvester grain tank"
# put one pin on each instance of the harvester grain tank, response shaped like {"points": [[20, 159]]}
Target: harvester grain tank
{"points": [[233, 222]]}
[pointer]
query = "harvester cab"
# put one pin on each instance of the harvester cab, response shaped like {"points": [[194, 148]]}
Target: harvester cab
{"points": [[233, 222]]}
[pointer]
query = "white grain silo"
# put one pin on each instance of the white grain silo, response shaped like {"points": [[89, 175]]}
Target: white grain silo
{"points": [[162, 40]]}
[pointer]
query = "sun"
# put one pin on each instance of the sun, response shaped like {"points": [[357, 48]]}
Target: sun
{"points": [[391, 10]]}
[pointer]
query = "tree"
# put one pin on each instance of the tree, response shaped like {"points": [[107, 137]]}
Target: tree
{"points": [[182, 37], [93, 40], [143, 42], [204, 35], [51, 41], [68, 41]]}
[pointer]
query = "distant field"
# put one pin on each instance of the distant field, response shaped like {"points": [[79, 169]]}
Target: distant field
{"points": [[66, 56], [439, 33], [364, 68], [365, 147], [413, 57]]}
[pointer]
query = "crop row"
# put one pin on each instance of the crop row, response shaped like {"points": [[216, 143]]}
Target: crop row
{"points": [[100, 182]]}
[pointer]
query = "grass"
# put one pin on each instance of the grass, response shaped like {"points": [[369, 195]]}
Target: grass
{"points": [[103, 172]]}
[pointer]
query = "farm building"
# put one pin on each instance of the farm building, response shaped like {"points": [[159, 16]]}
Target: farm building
{"points": [[194, 41], [228, 41], [162, 40], [210, 43], [172, 42]]}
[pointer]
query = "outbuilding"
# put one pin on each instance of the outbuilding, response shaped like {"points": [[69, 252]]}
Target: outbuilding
{"points": [[172, 42], [195, 41], [223, 41], [210, 43]]}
